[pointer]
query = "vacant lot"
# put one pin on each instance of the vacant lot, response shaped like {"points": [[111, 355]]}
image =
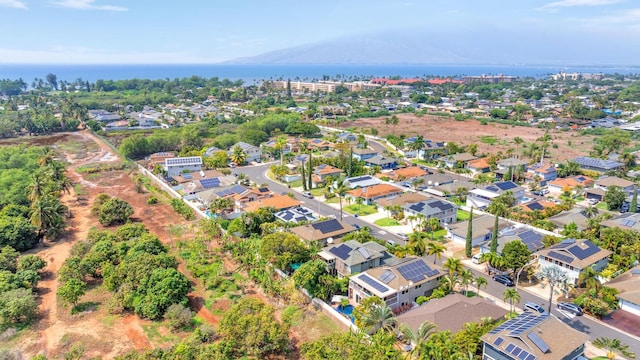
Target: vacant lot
{"points": [[490, 138]]}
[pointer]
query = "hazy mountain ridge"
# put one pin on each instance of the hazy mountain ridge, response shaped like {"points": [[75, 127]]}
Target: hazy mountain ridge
{"points": [[486, 46]]}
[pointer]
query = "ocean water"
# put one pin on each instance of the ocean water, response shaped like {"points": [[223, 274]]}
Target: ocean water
{"points": [[252, 74]]}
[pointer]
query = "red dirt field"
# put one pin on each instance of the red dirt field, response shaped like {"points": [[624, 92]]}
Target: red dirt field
{"points": [[443, 129]]}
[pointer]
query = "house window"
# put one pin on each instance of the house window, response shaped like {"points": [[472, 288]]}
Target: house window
{"points": [[418, 287]]}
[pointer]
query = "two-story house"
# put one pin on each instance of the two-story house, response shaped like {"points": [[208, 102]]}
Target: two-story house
{"points": [[362, 181], [543, 173], [398, 285], [385, 163], [599, 165], [571, 183], [533, 336], [363, 153], [605, 182], [322, 171], [481, 198], [573, 256], [444, 211], [253, 153], [176, 166], [529, 237], [324, 232], [352, 257], [512, 165], [457, 161]]}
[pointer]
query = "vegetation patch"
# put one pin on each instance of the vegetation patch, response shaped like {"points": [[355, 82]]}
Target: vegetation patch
{"points": [[387, 222], [361, 210], [488, 139]]}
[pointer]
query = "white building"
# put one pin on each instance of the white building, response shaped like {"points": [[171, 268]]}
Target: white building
{"points": [[253, 152], [573, 256], [398, 285], [176, 166]]}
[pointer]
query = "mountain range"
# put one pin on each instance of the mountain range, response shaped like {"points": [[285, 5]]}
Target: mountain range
{"points": [[486, 46]]}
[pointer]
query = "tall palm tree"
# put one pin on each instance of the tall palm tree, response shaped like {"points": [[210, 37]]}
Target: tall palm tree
{"points": [[417, 338], [454, 268], [47, 214], [518, 141], [436, 249], [513, 296], [380, 317], [466, 278], [613, 346], [590, 211], [480, 282], [340, 189], [279, 145], [589, 278], [238, 156], [432, 224], [38, 187]]}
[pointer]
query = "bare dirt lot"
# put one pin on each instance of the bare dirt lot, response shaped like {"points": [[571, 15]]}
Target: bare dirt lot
{"points": [[438, 128], [98, 332]]}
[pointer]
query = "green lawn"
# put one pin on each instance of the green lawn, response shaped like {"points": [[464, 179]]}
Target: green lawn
{"points": [[333, 200], [295, 184], [488, 139], [462, 215], [602, 206], [317, 191], [439, 235], [387, 222], [361, 210]]}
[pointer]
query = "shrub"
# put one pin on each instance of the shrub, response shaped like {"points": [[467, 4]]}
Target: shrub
{"points": [[179, 316], [114, 211], [152, 200]]}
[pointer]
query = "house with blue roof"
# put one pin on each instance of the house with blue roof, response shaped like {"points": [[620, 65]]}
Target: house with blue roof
{"points": [[599, 165], [481, 198], [352, 257], [362, 181], [527, 236], [385, 163], [296, 215], [363, 154], [442, 210]]}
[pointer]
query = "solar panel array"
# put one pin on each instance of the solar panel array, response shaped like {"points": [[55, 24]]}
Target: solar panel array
{"points": [[532, 239], [505, 185], [341, 251], [538, 342], [498, 341], [519, 353], [210, 183], [365, 254], [535, 206], [187, 176], [564, 243], [376, 285], [328, 226], [360, 178], [191, 160], [416, 271], [628, 222], [235, 189], [562, 257], [520, 324], [598, 163], [583, 253], [387, 276]]}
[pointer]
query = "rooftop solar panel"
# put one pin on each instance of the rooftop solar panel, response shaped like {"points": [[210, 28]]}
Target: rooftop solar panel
{"points": [[583, 253], [564, 258], [341, 251], [510, 348], [187, 176], [499, 340], [535, 206], [365, 254], [416, 271], [387, 276], [538, 342], [505, 185], [210, 183], [328, 226], [370, 281]]}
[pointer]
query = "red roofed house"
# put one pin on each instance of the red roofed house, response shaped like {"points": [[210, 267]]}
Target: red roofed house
{"points": [[372, 193]]}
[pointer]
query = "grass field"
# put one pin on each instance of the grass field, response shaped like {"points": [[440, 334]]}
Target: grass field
{"points": [[387, 222], [361, 210]]}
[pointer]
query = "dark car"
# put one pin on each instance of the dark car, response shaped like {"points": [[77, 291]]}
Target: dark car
{"points": [[356, 226], [504, 280], [537, 192], [570, 307]]}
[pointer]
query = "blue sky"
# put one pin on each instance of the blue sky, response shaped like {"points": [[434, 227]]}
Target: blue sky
{"points": [[209, 31]]}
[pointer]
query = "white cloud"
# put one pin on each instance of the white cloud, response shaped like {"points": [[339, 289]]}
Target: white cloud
{"points": [[87, 5], [16, 4], [571, 3]]}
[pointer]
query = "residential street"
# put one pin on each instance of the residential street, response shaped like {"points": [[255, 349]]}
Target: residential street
{"points": [[585, 324]]}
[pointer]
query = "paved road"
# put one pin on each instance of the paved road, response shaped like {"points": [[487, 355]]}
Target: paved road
{"points": [[585, 324]]}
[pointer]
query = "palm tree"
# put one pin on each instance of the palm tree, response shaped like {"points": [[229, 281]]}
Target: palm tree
{"points": [[432, 224], [466, 278], [590, 211], [340, 189], [47, 214], [518, 141], [38, 187], [480, 281], [453, 267], [380, 317], [417, 338], [555, 276], [589, 278], [417, 243], [513, 296], [238, 156], [613, 346], [436, 249], [279, 145]]}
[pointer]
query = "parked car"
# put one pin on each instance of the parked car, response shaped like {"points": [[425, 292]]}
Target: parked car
{"points": [[538, 192], [307, 195], [593, 201], [504, 280], [570, 307], [402, 236], [534, 307], [356, 226]]}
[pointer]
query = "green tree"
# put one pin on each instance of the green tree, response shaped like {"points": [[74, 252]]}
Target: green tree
{"points": [[466, 278], [31, 262], [114, 211], [71, 291], [554, 276], [417, 338], [380, 317], [480, 282], [179, 316], [17, 232], [17, 307], [283, 249], [633, 207], [250, 329], [238, 156], [614, 197], [9, 259], [613, 347], [590, 279], [513, 297], [516, 254], [469, 239], [436, 249]]}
